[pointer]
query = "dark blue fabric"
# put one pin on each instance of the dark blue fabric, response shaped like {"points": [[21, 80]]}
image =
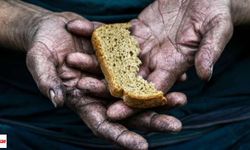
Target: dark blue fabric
{"points": [[216, 116], [98, 10]]}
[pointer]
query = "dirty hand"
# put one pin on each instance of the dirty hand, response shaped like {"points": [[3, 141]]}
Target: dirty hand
{"points": [[93, 108], [48, 46], [175, 35]]}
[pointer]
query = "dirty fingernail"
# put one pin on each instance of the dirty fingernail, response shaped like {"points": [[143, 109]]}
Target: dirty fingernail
{"points": [[211, 73], [52, 97]]}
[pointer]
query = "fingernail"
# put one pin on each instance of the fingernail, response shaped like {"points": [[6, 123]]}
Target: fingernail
{"points": [[52, 97], [211, 73]]}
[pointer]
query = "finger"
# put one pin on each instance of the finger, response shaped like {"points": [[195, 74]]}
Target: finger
{"points": [[162, 79], [183, 77], [83, 62], [93, 87], [66, 73], [120, 111], [175, 99], [69, 76], [42, 67], [81, 27], [121, 136], [87, 47], [151, 121], [93, 114], [211, 47]]}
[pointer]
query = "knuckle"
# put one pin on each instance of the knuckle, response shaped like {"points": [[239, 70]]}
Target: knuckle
{"points": [[99, 129], [74, 98], [73, 93], [69, 15]]}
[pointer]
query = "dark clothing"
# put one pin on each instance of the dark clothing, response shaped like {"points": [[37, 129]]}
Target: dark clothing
{"points": [[217, 115]]}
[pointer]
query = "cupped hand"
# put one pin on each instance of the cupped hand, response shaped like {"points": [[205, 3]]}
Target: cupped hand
{"points": [[49, 44], [175, 35]]}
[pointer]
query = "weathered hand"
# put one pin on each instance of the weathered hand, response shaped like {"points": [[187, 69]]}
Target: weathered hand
{"points": [[48, 47], [92, 111], [176, 34]]}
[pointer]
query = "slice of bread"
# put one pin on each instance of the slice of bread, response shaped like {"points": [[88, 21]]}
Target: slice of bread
{"points": [[117, 52]]}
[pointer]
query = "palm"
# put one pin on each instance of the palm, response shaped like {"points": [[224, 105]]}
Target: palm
{"points": [[51, 43], [55, 41], [171, 32]]}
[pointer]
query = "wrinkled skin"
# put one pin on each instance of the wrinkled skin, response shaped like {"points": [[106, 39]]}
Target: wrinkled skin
{"points": [[47, 50], [175, 35], [84, 90]]}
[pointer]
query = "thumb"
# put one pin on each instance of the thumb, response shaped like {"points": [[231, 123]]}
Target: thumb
{"points": [[211, 47], [41, 65]]}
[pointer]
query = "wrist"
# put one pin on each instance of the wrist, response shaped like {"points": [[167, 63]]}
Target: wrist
{"points": [[18, 21], [29, 29], [240, 10]]}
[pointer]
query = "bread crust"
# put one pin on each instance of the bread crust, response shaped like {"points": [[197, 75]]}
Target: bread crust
{"points": [[132, 100]]}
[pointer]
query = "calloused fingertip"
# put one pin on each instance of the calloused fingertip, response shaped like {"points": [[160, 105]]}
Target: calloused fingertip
{"points": [[175, 99], [165, 123], [176, 126], [204, 73], [71, 59], [111, 115], [133, 141], [142, 146], [204, 67]]}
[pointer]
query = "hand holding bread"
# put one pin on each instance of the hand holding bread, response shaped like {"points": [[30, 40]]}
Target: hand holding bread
{"points": [[94, 108], [177, 35], [172, 38]]}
